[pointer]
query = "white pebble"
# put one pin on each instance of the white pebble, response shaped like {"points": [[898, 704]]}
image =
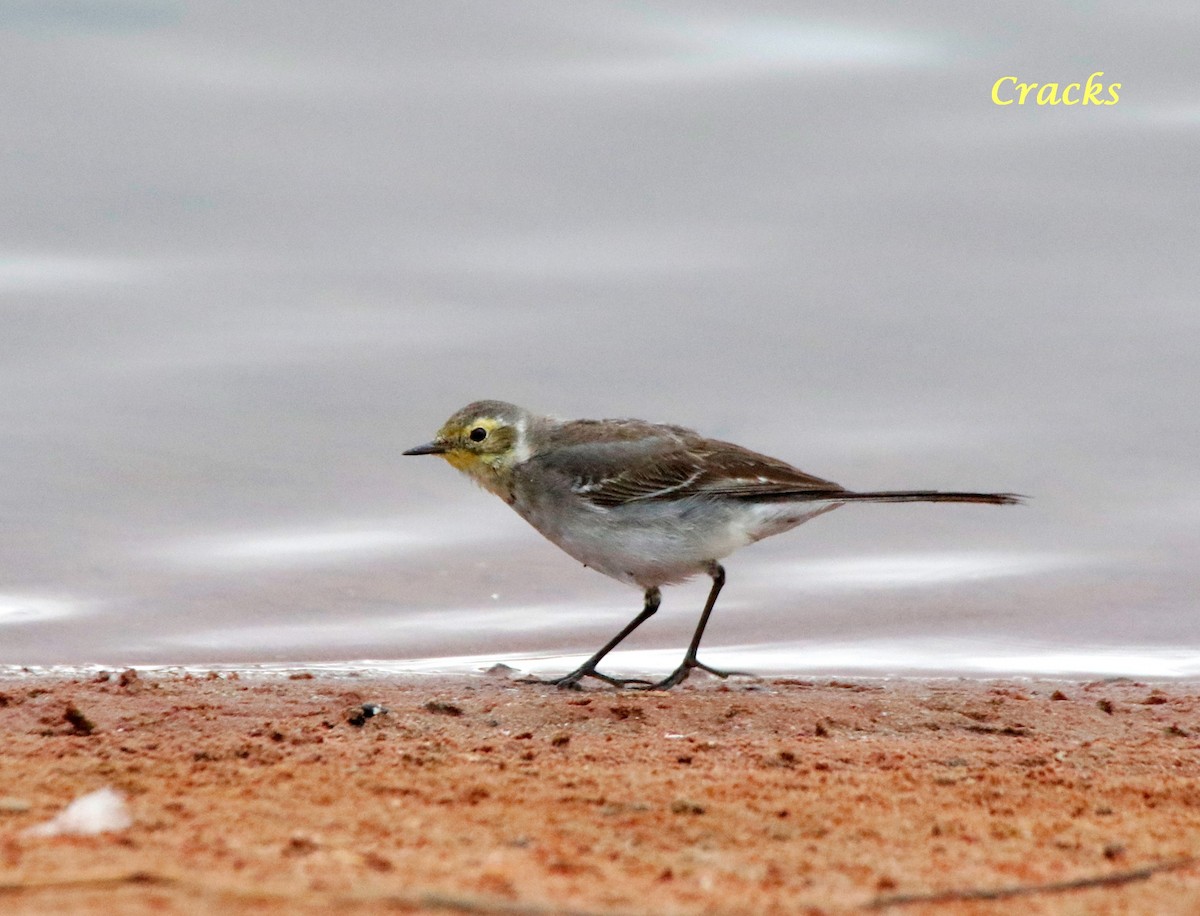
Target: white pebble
{"points": [[96, 812]]}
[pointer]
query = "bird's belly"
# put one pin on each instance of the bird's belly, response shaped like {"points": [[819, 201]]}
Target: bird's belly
{"points": [[653, 544]]}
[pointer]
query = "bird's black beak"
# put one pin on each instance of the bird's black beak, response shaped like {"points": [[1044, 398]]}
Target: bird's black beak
{"points": [[429, 448]]}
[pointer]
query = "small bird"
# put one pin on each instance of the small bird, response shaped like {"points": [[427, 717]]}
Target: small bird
{"points": [[649, 504]]}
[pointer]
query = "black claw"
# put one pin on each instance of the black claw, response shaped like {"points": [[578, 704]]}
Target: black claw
{"points": [[621, 681], [722, 674], [672, 680], [680, 674], [571, 681]]}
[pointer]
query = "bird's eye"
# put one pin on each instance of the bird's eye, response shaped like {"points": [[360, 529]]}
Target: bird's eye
{"points": [[478, 434]]}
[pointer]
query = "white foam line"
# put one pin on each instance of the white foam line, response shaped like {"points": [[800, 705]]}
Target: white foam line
{"points": [[911, 658], [879, 659]]}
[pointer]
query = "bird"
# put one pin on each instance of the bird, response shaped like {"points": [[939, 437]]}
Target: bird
{"points": [[648, 504]]}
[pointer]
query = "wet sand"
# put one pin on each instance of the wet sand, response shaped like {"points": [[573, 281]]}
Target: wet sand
{"points": [[486, 795]]}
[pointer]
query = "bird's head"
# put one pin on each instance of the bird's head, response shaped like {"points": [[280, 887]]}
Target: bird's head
{"points": [[484, 439]]}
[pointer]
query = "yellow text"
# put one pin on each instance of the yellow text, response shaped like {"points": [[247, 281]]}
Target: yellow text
{"points": [[1009, 89]]}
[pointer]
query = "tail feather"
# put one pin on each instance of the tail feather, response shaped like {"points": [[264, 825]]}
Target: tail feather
{"points": [[930, 496]]}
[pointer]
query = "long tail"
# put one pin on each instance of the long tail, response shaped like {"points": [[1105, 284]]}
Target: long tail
{"points": [[930, 496]]}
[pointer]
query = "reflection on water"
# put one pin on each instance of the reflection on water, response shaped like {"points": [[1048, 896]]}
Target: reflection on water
{"points": [[694, 48], [27, 609], [246, 261], [26, 273], [314, 547], [908, 570]]}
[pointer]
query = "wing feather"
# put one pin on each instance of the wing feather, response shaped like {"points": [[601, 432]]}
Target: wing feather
{"points": [[632, 461]]}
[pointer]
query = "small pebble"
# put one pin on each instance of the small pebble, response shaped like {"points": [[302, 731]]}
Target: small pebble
{"points": [[10, 804]]}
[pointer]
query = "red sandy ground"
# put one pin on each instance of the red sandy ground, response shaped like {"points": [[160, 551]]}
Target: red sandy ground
{"points": [[484, 795]]}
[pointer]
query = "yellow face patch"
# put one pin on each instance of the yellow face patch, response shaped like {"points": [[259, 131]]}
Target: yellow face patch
{"points": [[485, 440], [473, 453], [462, 459]]}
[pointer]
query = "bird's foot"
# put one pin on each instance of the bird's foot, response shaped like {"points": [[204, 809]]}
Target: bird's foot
{"points": [[717, 672], [571, 681], [680, 674]]}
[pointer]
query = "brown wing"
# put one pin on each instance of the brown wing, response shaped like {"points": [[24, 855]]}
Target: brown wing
{"points": [[632, 461]]}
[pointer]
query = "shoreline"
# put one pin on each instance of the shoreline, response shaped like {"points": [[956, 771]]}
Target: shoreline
{"points": [[280, 794], [646, 663]]}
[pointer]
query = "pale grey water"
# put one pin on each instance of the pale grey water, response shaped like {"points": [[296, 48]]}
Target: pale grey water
{"points": [[250, 252]]}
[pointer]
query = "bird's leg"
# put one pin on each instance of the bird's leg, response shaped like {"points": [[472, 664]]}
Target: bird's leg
{"points": [[680, 674], [588, 668]]}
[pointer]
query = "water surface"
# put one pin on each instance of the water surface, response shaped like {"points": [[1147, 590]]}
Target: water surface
{"points": [[250, 254]]}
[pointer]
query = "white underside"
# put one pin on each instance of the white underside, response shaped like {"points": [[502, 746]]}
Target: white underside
{"points": [[660, 543]]}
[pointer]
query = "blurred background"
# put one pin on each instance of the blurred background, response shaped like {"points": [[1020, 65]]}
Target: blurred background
{"points": [[251, 252]]}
